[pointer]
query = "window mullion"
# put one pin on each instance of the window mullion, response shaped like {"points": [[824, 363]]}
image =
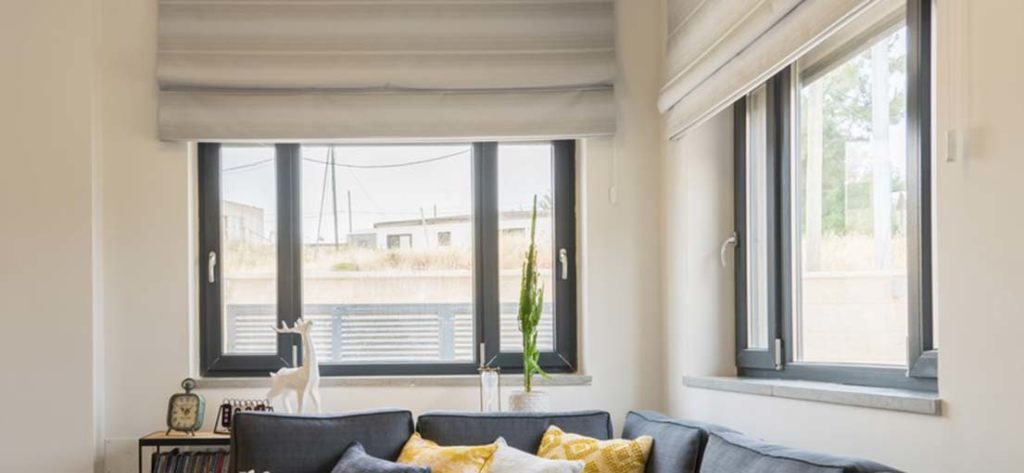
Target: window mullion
{"points": [[782, 157], [487, 307], [289, 247]]}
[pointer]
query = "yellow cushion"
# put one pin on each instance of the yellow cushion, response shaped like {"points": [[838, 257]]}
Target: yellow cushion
{"points": [[422, 452], [601, 456]]}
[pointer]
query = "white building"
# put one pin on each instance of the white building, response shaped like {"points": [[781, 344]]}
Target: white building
{"points": [[454, 230], [242, 222]]}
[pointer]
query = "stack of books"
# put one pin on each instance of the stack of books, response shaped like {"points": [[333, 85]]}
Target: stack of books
{"points": [[176, 461]]}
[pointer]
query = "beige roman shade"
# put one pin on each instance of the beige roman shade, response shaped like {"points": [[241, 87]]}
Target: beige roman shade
{"points": [[385, 69], [718, 50]]}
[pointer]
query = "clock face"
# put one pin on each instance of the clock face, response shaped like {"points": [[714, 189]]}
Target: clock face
{"points": [[184, 412]]}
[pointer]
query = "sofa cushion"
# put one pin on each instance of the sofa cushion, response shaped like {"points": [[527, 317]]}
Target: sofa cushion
{"points": [[508, 459], [678, 444], [356, 460], [284, 443], [520, 430], [599, 456], [729, 452], [448, 459]]}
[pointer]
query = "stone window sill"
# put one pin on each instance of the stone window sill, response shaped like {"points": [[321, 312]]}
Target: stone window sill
{"points": [[900, 400]]}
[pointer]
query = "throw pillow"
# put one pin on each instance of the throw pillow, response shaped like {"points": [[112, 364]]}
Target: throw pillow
{"points": [[600, 456], [356, 460], [423, 452], [508, 459]]}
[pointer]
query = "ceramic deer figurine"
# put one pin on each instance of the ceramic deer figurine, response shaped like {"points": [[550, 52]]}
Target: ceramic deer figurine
{"points": [[302, 379]]}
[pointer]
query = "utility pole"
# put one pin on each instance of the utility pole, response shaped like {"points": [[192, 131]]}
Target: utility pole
{"points": [[349, 211], [423, 224], [334, 194], [323, 201]]}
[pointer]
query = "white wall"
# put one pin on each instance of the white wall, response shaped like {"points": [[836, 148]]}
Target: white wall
{"points": [[46, 194], [977, 272], [148, 196], [70, 140]]}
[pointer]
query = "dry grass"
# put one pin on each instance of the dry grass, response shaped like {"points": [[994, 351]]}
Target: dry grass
{"points": [[248, 258], [856, 253]]}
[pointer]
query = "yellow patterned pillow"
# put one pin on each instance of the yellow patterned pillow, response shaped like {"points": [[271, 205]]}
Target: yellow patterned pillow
{"points": [[601, 456], [422, 452]]}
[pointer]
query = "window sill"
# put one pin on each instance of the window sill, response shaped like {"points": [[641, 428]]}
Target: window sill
{"points": [[900, 400], [510, 380]]}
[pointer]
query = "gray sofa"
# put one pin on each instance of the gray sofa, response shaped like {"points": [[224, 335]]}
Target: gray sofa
{"points": [[303, 444]]}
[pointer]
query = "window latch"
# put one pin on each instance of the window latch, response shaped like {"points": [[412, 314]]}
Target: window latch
{"points": [[211, 267], [563, 258], [733, 239], [778, 354]]}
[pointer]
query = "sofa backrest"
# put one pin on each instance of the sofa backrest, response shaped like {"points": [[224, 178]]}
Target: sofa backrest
{"points": [[521, 430], [678, 444], [284, 443], [729, 452]]}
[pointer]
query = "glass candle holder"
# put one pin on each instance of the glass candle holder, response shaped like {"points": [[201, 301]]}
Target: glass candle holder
{"points": [[490, 389]]}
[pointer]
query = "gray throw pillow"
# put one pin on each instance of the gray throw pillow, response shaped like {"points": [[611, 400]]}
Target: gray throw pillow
{"points": [[356, 460]]}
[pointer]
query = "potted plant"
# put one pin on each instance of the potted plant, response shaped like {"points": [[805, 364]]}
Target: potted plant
{"points": [[531, 305]]}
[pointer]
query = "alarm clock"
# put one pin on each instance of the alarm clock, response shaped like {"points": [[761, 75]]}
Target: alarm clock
{"points": [[185, 410]]}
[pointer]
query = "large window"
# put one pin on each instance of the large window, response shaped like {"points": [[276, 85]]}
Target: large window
{"points": [[407, 258], [833, 210]]}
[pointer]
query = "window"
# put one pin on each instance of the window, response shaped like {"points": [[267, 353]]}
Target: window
{"points": [[756, 223], [398, 253], [444, 238], [401, 241], [833, 211], [525, 174]]}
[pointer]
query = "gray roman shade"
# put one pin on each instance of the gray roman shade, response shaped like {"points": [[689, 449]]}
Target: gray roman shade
{"points": [[385, 69], [718, 50]]}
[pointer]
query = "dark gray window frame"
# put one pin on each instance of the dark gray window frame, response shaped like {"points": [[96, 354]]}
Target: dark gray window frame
{"points": [[746, 356], [922, 368], [215, 363]]}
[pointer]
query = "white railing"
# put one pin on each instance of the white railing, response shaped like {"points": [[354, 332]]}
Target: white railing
{"points": [[379, 333]]}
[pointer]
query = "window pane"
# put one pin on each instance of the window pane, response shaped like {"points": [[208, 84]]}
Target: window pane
{"points": [[757, 219], [248, 259], [387, 254], [525, 171], [852, 203]]}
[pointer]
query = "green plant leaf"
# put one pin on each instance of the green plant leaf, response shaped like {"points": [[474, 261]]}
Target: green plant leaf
{"points": [[531, 307]]}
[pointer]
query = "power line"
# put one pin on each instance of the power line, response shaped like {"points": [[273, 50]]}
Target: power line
{"points": [[243, 167], [380, 210], [388, 166], [256, 164]]}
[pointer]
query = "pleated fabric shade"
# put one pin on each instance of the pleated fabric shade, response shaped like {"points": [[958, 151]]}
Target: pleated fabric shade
{"points": [[385, 69], [719, 50]]}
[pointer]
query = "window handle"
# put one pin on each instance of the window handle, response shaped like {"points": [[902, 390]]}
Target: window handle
{"points": [[563, 258], [211, 267], [732, 240]]}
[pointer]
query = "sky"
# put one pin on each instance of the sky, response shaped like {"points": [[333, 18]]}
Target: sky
{"points": [[422, 178]]}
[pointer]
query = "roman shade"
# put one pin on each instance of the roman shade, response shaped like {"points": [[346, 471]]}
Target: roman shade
{"points": [[385, 69], [718, 50]]}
